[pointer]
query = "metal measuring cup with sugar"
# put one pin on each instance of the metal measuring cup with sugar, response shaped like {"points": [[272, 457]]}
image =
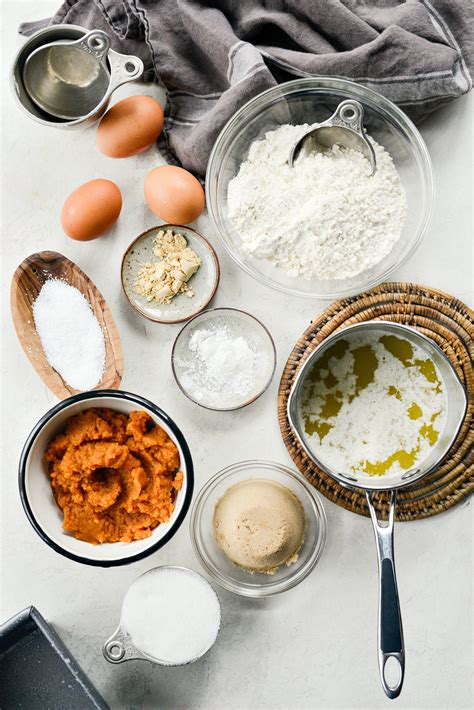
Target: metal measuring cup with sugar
{"points": [[61, 80], [126, 643]]}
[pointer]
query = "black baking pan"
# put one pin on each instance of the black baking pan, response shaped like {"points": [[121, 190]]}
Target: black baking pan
{"points": [[37, 672]]}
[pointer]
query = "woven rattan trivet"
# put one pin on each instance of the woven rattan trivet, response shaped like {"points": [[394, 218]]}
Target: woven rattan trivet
{"points": [[450, 323]]}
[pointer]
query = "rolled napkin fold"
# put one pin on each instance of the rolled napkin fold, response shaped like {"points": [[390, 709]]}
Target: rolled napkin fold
{"points": [[212, 57]]}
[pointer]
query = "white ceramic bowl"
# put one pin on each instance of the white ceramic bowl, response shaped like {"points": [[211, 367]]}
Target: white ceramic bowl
{"points": [[37, 496]]}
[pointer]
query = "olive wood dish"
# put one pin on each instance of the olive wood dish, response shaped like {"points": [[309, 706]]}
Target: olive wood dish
{"points": [[204, 282], [27, 282]]}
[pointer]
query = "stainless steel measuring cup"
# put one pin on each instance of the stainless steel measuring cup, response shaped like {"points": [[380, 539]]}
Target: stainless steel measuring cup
{"points": [[69, 79], [115, 70], [345, 127], [390, 630], [120, 646]]}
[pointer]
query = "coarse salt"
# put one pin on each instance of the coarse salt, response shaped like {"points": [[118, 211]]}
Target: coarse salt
{"points": [[172, 614], [70, 334]]}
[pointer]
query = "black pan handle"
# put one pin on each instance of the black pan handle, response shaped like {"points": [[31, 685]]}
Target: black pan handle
{"points": [[390, 629]]}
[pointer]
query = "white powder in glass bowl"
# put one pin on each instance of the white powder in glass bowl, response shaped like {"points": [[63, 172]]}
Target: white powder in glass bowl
{"points": [[224, 359], [224, 367]]}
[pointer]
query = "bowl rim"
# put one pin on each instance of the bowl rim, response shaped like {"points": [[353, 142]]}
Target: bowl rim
{"points": [[215, 283], [386, 105], [98, 394], [278, 587], [247, 402]]}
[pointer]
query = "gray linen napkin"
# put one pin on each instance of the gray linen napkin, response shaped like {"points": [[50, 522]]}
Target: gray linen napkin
{"points": [[214, 55]]}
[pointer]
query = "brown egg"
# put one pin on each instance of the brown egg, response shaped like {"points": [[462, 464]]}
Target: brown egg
{"points": [[91, 210], [173, 194], [129, 127]]}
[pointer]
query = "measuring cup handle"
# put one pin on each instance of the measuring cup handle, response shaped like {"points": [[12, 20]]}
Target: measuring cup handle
{"points": [[349, 114], [123, 68], [390, 629], [118, 648], [97, 43]]}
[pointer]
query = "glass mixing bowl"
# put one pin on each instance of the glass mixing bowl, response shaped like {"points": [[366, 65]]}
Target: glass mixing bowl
{"points": [[218, 565], [190, 376], [308, 101]]}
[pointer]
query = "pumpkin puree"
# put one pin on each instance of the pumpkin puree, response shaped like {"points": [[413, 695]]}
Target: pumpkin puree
{"points": [[114, 476]]}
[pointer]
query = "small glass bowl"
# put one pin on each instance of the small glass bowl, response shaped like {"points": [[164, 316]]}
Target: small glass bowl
{"points": [[240, 323], [218, 565], [312, 100]]}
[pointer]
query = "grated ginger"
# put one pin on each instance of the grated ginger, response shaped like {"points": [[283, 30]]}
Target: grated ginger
{"points": [[162, 280]]}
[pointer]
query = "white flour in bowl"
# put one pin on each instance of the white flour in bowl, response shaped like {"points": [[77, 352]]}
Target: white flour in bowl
{"points": [[325, 218]]}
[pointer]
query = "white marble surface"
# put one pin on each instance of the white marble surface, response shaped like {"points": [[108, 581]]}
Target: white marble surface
{"points": [[313, 647]]}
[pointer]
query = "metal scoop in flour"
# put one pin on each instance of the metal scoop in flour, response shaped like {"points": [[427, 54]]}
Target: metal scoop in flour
{"points": [[69, 79], [344, 127]]}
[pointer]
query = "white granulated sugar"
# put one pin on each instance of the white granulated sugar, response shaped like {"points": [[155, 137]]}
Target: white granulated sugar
{"points": [[70, 334], [223, 369], [172, 615], [373, 423], [325, 218]]}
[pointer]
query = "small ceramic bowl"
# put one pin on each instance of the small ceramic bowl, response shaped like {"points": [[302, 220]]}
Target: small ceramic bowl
{"points": [[37, 496], [218, 565], [188, 370], [204, 282]]}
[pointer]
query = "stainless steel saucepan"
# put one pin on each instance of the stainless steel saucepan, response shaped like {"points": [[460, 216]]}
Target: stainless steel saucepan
{"points": [[390, 630]]}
